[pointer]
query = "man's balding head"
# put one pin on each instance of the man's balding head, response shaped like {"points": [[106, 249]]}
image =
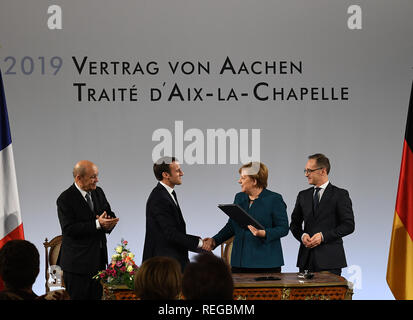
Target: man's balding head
{"points": [[86, 174]]}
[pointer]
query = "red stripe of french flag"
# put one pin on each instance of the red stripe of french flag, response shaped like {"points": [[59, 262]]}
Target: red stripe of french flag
{"points": [[11, 226]]}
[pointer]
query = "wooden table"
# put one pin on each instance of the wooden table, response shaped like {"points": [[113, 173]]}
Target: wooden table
{"points": [[323, 286], [117, 292]]}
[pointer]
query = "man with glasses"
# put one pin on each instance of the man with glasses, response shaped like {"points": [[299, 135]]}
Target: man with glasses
{"points": [[327, 213], [86, 218]]}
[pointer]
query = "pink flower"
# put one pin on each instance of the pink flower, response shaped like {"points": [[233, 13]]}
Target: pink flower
{"points": [[122, 265]]}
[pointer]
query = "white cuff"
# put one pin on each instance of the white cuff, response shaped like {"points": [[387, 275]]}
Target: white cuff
{"points": [[303, 236], [98, 227], [200, 243]]}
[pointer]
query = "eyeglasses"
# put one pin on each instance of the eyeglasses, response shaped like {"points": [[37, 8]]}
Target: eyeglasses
{"points": [[308, 171]]}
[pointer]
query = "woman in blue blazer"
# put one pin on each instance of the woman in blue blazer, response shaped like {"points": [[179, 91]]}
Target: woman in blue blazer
{"points": [[256, 250]]}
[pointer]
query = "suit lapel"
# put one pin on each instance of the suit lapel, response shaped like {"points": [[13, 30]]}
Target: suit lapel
{"points": [[308, 200], [244, 204], [180, 216], [327, 194], [96, 204], [82, 202], [177, 209]]}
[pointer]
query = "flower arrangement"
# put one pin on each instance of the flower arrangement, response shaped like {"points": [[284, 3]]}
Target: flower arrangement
{"points": [[122, 268]]}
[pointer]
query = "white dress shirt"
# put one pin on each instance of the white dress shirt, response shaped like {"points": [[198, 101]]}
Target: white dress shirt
{"points": [[322, 189], [320, 194], [83, 192], [170, 190]]}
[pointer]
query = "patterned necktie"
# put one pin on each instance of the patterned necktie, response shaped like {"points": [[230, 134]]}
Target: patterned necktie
{"points": [[316, 199], [89, 200]]}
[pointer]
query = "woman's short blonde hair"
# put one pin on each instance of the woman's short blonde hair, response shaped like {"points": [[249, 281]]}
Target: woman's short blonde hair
{"points": [[158, 278], [257, 171]]}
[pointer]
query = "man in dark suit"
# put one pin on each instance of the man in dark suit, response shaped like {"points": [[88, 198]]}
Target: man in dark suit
{"points": [[327, 213], [165, 226], [85, 217]]}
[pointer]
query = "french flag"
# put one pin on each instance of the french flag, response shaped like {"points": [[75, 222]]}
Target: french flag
{"points": [[11, 226]]}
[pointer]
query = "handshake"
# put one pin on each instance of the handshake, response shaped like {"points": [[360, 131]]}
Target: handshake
{"points": [[208, 244]]}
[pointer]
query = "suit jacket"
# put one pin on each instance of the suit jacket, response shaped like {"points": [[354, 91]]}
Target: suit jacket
{"points": [[249, 251], [334, 218], [83, 249], [166, 229]]}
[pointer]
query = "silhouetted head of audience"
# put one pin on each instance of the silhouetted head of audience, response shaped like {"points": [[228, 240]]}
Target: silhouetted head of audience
{"points": [[19, 266], [208, 278], [158, 278]]}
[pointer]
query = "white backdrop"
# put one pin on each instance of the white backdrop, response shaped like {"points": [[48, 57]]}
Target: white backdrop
{"points": [[361, 133]]}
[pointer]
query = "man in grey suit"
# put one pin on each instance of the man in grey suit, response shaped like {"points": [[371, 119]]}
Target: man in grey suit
{"points": [[327, 213]]}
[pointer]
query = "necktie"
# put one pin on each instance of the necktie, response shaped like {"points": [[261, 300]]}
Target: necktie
{"points": [[89, 200], [316, 199], [176, 199], [179, 209]]}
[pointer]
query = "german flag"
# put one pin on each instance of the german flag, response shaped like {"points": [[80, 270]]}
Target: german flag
{"points": [[400, 264]]}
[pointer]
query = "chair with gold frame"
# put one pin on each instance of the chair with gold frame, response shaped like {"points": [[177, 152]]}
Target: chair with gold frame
{"points": [[226, 249], [52, 249]]}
